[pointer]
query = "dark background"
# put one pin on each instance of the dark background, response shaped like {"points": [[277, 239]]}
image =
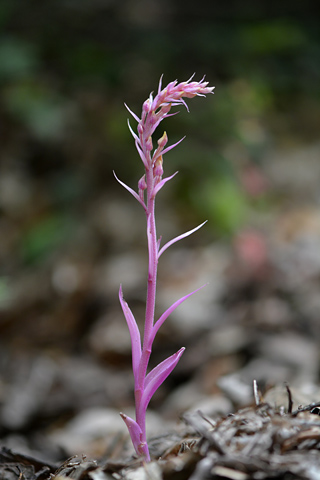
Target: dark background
{"points": [[69, 234]]}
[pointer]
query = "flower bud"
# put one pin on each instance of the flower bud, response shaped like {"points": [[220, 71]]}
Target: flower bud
{"points": [[149, 144], [140, 128], [165, 109], [163, 140], [142, 184], [158, 167], [146, 106]]}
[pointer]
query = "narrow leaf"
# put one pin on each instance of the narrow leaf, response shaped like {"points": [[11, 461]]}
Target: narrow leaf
{"points": [[161, 184], [172, 146], [160, 118], [192, 78], [133, 114], [134, 431], [160, 84], [141, 154], [158, 375], [134, 334], [180, 237], [135, 136], [171, 309], [170, 114], [184, 103], [130, 190]]}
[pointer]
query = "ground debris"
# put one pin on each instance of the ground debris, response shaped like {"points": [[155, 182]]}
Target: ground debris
{"points": [[257, 442], [15, 465]]}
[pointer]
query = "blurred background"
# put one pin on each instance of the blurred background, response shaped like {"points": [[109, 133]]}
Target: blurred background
{"points": [[69, 234]]}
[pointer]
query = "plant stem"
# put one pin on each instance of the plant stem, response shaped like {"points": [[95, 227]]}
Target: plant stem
{"points": [[150, 303]]}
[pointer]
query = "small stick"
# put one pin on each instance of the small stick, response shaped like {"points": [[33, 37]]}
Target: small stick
{"points": [[290, 401], [256, 393]]}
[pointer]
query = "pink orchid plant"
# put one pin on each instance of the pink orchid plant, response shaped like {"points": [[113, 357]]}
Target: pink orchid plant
{"points": [[154, 110]]}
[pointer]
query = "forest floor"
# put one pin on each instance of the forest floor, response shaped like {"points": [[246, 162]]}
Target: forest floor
{"points": [[243, 403]]}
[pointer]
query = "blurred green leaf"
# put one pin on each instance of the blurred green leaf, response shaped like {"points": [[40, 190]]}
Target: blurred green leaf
{"points": [[45, 236], [273, 36], [90, 61], [223, 203], [4, 292], [43, 112], [17, 59]]}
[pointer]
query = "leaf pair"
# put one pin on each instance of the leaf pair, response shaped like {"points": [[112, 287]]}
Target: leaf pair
{"points": [[157, 376]]}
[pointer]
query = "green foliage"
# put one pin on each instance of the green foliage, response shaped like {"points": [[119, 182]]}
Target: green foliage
{"points": [[223, 203], [4, 292], [274, 36], [42, 238], [74, 63], [40, 109], [18, 59]]}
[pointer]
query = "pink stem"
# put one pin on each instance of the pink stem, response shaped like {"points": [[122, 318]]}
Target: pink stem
{"points": [[150, 307]]}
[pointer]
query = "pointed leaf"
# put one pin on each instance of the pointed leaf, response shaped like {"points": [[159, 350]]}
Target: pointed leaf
{"points": [[184, 103], [134, 430], [166, 150], [180, 237], [141, 154], [192, 78], [162, 182], [170, 114], [160, 84], [171, 309], [158, 375], [134, 334], [135, 136], [172, 146], [133, 114], [130, 190]]}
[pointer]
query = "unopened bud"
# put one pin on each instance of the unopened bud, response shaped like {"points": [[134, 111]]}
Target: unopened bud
{"points": [[158, 167], [163, 140], [140, 128], [142, 184], [149, 144], [146, 106], [165, 109], [189, 94]]}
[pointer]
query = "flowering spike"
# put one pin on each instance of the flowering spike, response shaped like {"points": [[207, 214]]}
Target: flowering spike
{"points": [[154, 110]]}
